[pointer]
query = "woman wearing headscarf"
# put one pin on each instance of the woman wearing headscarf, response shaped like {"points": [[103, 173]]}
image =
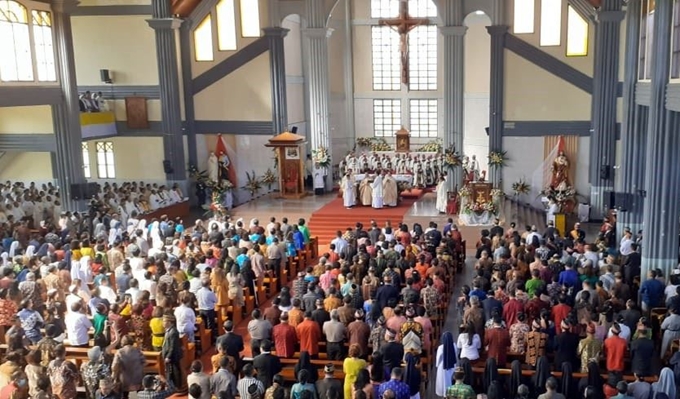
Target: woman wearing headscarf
{"points": [[541, 375], [305, 363], [363, 384], [5, 259], [515, 376], [494, 390], [567, 385], [412, 375], [99, 231], [466, 365], [593, 379], [445, 363], [14, 249], [665, 385], [30, 251], [490, 371]]}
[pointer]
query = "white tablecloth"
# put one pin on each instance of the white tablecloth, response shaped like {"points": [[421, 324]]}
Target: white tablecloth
{"points": [[476, 219], [398, 178]]}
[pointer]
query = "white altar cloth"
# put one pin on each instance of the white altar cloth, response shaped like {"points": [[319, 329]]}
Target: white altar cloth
{"points": [[405, 178], [476, 219]]}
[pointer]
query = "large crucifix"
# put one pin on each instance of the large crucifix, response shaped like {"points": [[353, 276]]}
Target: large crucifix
{"points": [[403, 24]]}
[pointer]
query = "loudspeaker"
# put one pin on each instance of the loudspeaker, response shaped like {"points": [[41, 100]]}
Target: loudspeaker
{"points": [[84, 191], [487, 130], [105, 76], [293, 129], [77, 192], [167, 167], [609, 199], [604, 172]]}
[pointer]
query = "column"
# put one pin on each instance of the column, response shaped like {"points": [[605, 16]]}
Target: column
{"points": [[605, 81], [316, 36], [277, 68], [496, 91], [186, 57], [66, 115], [632, 136], [662, 175], [454, 81], [165, 27]]}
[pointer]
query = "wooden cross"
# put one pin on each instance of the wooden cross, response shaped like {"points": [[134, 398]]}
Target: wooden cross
{"points": [[403, 24]]}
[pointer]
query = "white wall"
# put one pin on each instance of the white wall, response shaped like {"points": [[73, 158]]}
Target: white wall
{"points": [[292, 47], [26, 120], [477, 77], [522, 166], [135, 158], [26, 167]]}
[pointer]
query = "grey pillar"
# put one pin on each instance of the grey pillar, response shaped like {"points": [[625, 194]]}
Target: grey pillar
{"points": [[277, 69], [454, 81], [605, 81], [188, 91], [662, 175], [497, 33], [316, 36], [632, 137], [165, 27], [66, 115]]}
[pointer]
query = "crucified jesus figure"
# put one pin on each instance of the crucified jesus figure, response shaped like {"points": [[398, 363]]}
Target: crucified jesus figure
{"points": [[403, 24]]}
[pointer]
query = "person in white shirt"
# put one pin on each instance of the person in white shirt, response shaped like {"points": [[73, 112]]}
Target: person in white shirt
{"points": [[469, 346], [207, 300], [625, 330], [77, 326], [134, 291], [106, 292], [137, 264], [148, 284], [72, 298], [626, 243], [186, 319], [270, 226], [340, 243]]}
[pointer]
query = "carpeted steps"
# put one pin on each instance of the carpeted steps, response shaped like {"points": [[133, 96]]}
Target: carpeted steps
{"points": [[326, 221]]}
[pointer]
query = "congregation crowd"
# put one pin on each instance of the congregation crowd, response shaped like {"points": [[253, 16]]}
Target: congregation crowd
{"points": [[553, 316]]}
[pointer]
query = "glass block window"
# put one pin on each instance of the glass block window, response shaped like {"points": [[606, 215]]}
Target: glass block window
{"points": [[386, 58], [424, 118], [421, 8], [422, 58], [386, 117], [384, 8], [44, 50]]}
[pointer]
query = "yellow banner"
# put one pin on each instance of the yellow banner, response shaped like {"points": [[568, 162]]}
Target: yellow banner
{"points": [[97, 118]]}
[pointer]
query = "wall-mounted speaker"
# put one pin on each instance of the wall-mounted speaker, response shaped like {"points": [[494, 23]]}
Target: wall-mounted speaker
{"points": [[623, 202], [609, 199], [105, 76], [486, 129], [167, 167], [605, 172], [293, 129]]}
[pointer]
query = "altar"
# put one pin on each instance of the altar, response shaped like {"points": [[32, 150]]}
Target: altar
{"points": [[480, 204], [406, 178]]}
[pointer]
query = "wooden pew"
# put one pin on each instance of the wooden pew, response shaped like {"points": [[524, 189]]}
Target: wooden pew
{"points": [[558, 374]]}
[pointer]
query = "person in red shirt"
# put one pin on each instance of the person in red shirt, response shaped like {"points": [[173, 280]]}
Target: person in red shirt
{"points": [[309, 335], [615, 349], [17, 387], [561, 311], [497, 341], [285, 338], [511, 310]]}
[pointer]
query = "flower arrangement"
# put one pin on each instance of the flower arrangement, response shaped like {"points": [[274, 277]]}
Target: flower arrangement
{"points": [[521, 187], [321, 157], [253, 184], [268, 178], [403, 186], [452, 158], [496, 193], [364, 142], [464, 192], [380, 144], [201, 177], [432, 146], [227, 185], [477, 207], [497, 158]]}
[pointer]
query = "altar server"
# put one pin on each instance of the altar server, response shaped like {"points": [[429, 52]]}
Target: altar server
{"points": [[349, 194], [377, 187], [442, 195]]}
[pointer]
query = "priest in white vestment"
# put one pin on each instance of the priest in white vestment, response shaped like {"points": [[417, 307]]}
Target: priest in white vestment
{"points": [[377, 187], [390, 190], [349, 194], [442, 195], [553, 209]]}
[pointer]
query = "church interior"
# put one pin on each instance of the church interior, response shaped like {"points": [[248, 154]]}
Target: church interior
{"points": [[558, 115]]}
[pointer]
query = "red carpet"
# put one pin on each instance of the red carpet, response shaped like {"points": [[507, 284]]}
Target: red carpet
{"points": [[325, 222]]}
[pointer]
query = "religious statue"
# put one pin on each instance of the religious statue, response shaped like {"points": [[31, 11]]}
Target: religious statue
{"points": [[213, 167], [560, 173], [474, 168], [224, 166]]}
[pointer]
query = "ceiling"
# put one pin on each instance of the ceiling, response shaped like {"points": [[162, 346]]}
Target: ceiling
{"points": [[183, 8]]}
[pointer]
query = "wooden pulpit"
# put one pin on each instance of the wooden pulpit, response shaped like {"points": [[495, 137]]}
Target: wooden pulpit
{"points": [[403, 140], [291, 164]]}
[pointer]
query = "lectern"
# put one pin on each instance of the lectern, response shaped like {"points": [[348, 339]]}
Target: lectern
{"points": [[289, 148], [403, 140]]}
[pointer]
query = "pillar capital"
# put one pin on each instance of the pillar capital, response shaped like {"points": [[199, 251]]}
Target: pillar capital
{"points": [[324, 33], [275, 31], [64, 6], [164, 23], [611, 16], [453, 30], [497, 30]]}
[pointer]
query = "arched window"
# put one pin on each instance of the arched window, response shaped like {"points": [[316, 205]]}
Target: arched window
{"points": [[15, 45], [44, 52]]}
